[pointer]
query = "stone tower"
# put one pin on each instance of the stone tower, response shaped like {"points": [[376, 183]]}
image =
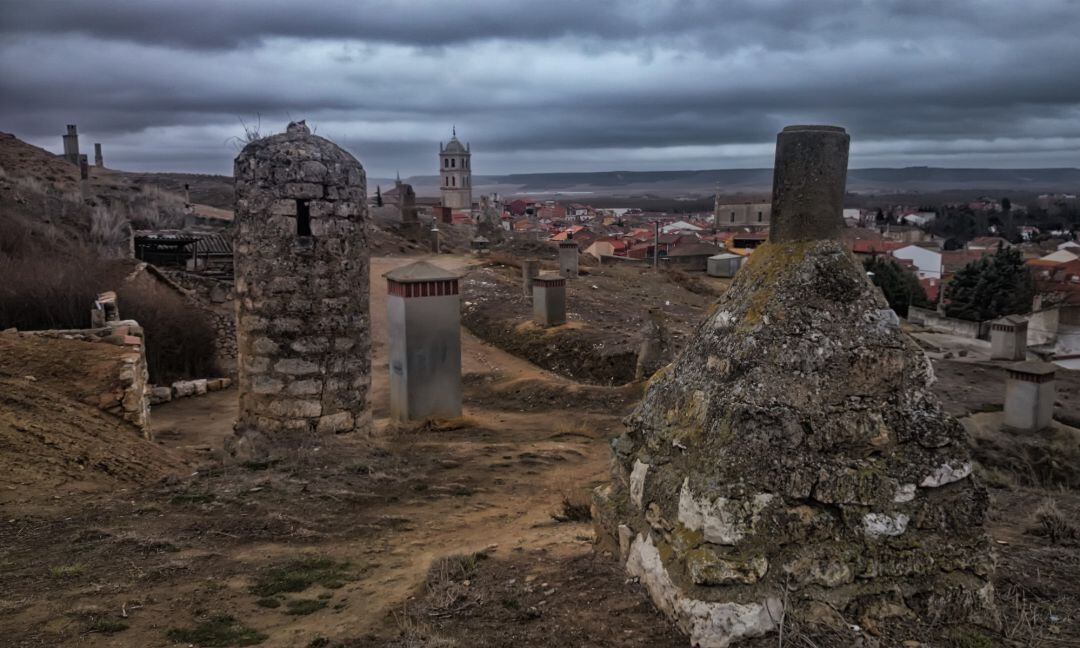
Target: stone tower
{"points": [[71, 144], [455, 173], [303, 326], [794, 459]]}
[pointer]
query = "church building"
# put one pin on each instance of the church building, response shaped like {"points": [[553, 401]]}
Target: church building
{"points": [[455, 174]]}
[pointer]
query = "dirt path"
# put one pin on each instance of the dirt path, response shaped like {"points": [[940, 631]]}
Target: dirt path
{"points": [[389, 506]]}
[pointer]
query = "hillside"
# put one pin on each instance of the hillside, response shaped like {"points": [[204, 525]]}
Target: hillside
{"points": [[43, 207], [54, 441]]}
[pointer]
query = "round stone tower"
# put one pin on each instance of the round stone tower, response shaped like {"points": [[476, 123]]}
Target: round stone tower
{"points": [[303, 325], [455, 174]]}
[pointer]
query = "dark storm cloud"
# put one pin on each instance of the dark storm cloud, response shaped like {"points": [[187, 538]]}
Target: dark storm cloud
{"points": [[549, 85]]}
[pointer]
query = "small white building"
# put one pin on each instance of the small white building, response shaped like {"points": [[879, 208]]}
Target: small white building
{"points": [[680, 226], [928, 263]]}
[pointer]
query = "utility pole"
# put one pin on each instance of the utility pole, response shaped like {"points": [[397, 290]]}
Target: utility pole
{"points": [[656, 245]]}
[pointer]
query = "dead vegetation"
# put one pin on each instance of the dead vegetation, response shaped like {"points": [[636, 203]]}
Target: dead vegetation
{"points": [[1054, 525], [575, 507]]}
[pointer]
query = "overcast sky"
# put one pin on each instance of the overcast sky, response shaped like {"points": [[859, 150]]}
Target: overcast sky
{"points": [[555, 85]]}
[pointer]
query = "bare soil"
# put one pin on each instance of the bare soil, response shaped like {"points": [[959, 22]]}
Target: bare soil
{"points": [[444, 534], [606, 309], [54, 442]]}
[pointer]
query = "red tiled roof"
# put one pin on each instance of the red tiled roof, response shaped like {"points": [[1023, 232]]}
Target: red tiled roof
{"points": [[953, 260], [869, 246]]}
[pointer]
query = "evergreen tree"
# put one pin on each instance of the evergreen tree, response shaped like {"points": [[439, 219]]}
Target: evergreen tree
{"points": [[378, 196], [900, 287], [992, 287]]}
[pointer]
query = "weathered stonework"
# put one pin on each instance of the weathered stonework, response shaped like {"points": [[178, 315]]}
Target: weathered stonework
{"points": [[303, 326], [128, 397], [796, 444]]}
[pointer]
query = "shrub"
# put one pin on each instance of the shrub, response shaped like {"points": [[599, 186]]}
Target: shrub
{"points": [[48, 292], [991, 287], [900, 287], [180, 339], [1054, 525], [41, 292]]}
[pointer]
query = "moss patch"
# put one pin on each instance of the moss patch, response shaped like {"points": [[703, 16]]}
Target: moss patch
{"points": [[107, 626], [300, 574], [300, 607], [219, 630], [67, 571]]}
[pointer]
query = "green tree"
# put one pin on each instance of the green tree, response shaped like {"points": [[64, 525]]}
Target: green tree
{"points": [[992, 287], [900, 287]]}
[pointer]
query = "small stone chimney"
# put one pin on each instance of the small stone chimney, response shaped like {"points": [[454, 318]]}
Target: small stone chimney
{"points": [[1029, 395], [1008, 338], [549, 300]]}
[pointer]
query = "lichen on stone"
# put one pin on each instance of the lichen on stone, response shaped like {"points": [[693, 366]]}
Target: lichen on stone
{"points": [[811, 457]]}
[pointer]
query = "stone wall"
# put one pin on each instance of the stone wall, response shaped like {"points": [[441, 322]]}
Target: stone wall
{"points": [[216, 297], [932, 319], [129, 397]]}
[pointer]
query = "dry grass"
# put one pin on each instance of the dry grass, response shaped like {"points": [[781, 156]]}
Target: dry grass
{"points": [[448, 581], [690, 282], [1054, 525], [109, 229], [575, 507]]}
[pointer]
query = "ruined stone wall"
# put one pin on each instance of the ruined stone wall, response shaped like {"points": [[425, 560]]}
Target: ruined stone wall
{"points": [[303, 326], [216, 298], [934, 320], [128, 397]]}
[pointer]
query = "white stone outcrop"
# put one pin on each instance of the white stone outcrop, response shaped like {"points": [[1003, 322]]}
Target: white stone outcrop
{"points": [[723, 521], [709, 624]]}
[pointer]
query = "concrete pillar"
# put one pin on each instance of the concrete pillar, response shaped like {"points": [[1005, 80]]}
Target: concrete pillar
{"points": [[84, 177], [99, 159], [529, 269], [71, 144], [808, 183], [1029, 395], [424, 314], [651, 353], [434, 238], [549, 300], [568, 259], [1008, 338]]}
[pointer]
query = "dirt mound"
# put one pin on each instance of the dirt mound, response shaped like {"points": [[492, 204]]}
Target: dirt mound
{"points": [[52, 441], [1048, 458], [605, 311], [530, 600]]}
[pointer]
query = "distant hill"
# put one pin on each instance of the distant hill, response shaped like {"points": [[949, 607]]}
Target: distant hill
{"points": [[670, 183]]}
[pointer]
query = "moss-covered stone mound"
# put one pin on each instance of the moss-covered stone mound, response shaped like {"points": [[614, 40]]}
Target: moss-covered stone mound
{"points": [[796, 446]]}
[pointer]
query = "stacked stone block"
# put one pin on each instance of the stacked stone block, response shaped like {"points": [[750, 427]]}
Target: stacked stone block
{"points": [[302, 286]]}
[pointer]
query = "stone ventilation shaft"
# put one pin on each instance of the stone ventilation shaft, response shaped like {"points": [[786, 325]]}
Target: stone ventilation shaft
{"points": [[303, 326], [796, 445]]}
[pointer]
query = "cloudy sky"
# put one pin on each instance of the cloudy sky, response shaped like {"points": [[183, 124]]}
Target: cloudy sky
{"points": [[554, 85]]}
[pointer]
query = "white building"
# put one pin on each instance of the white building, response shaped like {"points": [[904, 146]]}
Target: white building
{"points": [[680, 226], [928, 263]]}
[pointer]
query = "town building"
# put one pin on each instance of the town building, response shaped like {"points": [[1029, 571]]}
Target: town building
{"points": [[746, 214], [455, 174]]}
